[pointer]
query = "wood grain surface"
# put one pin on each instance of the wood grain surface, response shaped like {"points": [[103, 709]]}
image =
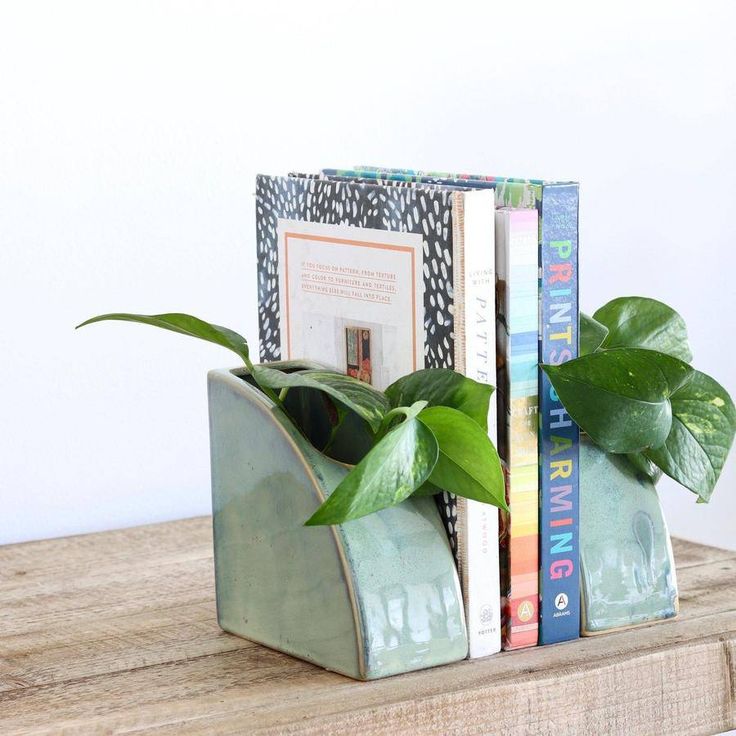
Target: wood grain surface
{"points": [[116, 633]]}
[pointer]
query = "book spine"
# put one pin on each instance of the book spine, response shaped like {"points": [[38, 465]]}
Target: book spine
{"points": [[559, 574], [518, 325], [477, 523]]}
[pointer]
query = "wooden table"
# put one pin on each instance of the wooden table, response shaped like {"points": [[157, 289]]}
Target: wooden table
{"points": [[116, 633]]}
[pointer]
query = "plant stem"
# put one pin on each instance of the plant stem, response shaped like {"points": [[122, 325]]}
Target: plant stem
{"points": [[388, 417], [268, 391], [248, 363]]}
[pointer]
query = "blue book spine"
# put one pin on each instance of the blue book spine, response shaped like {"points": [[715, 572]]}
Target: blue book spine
{"points": [[559, 576]]}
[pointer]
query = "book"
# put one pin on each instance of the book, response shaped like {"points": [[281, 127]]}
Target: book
{"points": [[559, 435], [381, 280], [518, 410], [559, 546]]}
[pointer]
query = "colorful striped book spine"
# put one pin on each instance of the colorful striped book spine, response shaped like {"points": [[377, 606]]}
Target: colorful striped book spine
{"points": [[518, 410], [559, 575]]}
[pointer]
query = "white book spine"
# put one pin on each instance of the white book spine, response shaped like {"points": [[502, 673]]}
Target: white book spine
{"points": [[477, 523]]}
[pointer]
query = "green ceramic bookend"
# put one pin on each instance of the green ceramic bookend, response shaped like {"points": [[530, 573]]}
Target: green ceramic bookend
{"points": [[369, 598], [627, 569]]}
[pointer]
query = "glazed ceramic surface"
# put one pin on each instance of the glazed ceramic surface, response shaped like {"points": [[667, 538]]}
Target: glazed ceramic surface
{"points": [[627, 569], [373, 597]]}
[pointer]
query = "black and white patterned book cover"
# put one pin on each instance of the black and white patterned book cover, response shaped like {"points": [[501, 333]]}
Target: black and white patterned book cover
{"points": [[422, 211]]}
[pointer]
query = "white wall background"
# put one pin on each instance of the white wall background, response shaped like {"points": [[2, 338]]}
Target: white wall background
{"points": [[130, 136]]}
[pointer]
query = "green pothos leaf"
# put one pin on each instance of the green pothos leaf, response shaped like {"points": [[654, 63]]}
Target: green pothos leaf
{"points": [[703, 426], [639, 322], [362, 398], [184, 324], [443, 387], [468, 464], [621, 397], [391, 471], [592, 334]]}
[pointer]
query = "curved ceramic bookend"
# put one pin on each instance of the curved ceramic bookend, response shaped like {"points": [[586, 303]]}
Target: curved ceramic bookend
{"points": [[627, 569], [369, 598]]}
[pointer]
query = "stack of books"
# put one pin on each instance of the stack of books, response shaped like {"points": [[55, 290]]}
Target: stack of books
{"points": [[379, 272]]}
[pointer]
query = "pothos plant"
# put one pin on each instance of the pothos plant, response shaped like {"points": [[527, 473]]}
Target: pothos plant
{"points": [[634, 392], [426, 433]]}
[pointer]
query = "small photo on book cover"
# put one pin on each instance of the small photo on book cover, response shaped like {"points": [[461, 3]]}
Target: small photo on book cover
{"points": [[358, 353]]}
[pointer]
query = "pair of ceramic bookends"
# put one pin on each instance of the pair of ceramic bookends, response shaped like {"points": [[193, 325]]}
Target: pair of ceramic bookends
{"points": [[380, 595]]}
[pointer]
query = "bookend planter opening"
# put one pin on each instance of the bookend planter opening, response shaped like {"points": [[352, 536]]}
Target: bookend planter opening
{"points": [[373, 597]]}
